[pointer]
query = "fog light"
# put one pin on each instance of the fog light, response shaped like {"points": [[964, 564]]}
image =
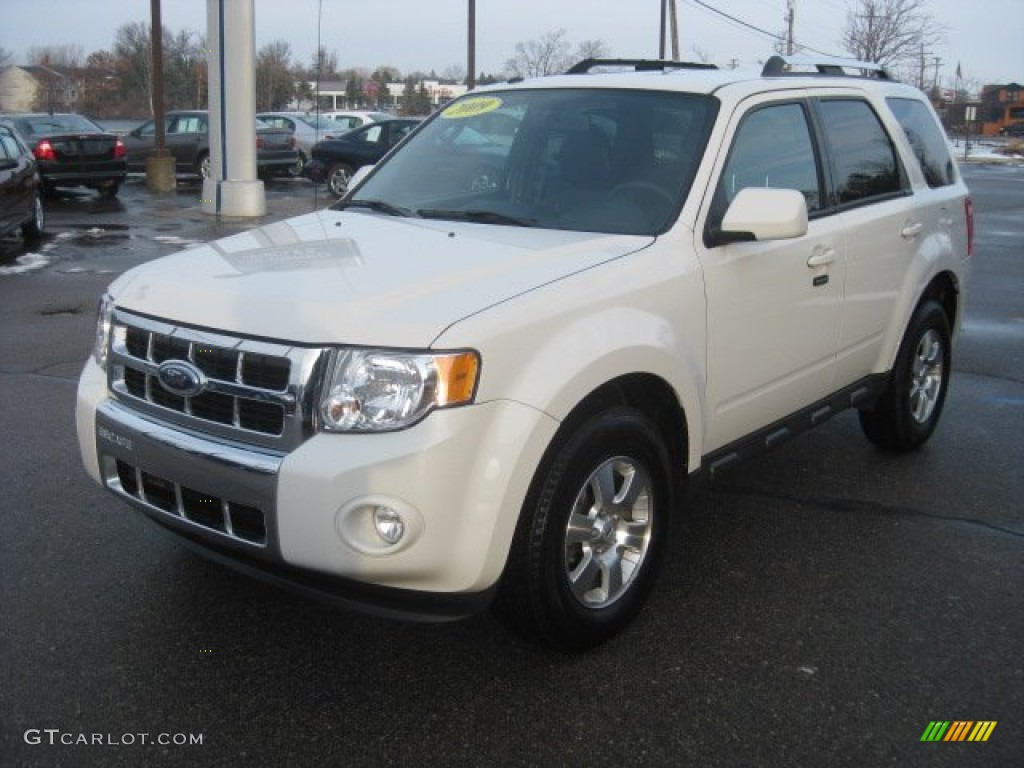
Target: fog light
{"points": [[389, 524], [378, 525]]}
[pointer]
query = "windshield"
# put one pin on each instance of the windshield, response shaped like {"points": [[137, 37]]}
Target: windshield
{"points": [[580, 159]]}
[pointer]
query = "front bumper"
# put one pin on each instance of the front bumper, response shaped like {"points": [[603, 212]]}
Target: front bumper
{"points": [[299, 519]]}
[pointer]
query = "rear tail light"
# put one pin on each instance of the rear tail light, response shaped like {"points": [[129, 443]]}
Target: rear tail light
{"points": [[969, 214], [44, 151], [259, 143], [291, 142], [119, 150]]}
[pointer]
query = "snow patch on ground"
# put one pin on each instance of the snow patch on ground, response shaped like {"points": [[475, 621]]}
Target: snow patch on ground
{"points": [[28, 262]]}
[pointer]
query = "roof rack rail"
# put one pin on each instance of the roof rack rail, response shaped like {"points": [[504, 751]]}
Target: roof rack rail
{"points": [[637, 65], [831, 66]]}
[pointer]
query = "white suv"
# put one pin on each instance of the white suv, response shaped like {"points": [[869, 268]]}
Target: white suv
{"points": [[487, 374]]}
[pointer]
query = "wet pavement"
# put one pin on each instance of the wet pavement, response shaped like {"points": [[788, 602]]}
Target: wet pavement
{"points": [[820, 606], [85, 233]]}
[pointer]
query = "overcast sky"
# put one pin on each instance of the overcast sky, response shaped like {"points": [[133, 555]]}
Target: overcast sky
{"points": [[982, 35]]}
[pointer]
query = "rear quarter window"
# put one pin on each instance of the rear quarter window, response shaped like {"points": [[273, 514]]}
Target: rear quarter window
{"points": [[927, 140]]}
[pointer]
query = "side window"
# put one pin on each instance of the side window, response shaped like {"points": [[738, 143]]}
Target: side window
{"points": [[864, 160], [772, 148], [372, 135], [8, 150], [927, 140], [398, 133]]}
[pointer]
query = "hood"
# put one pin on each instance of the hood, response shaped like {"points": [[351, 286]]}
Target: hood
{"points": [[343, 277]]}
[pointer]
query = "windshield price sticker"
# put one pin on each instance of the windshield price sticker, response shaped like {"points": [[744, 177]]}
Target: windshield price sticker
{"points": [[472, 107]]}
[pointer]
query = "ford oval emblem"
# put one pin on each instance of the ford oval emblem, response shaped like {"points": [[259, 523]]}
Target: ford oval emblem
{"points": [[181, 378]]}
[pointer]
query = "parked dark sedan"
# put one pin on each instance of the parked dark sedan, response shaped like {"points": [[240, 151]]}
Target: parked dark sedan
{"points": [[20, 203], [72, 150], [187, 138], [336, 160]]}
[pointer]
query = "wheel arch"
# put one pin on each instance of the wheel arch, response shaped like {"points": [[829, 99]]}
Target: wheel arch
{"points": [[650, 395], [944, 288]]}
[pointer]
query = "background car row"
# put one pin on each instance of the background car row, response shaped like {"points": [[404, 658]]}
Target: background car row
{"points": [[70, 150]]}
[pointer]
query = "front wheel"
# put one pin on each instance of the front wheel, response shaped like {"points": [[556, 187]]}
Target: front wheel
{"points": [[591, 533], [910, 406]]}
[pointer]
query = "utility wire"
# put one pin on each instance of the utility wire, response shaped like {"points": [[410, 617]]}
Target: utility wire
{"points": [[755, 28]]}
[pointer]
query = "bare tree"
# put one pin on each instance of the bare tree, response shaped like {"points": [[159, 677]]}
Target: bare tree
{"points": [[67, 55], [535, 58], [324, 65], [5, 57], [592, 49], [890, 32], [275, 84]]}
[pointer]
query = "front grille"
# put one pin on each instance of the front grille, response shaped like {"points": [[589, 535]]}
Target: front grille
{"points": [[254, 391], [236, 521]]}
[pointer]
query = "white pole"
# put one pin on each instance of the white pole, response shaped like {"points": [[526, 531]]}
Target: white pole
{"points": [[233, 188]]}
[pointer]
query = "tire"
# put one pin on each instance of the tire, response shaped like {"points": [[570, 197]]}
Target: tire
{"points": [[909, 408], [338, 178], [33, 228], [591, 534], [295, 171], [204, 168]]}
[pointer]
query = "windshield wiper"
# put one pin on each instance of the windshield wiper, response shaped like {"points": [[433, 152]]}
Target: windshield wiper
{"points": [[374, 205], [477, 216]]}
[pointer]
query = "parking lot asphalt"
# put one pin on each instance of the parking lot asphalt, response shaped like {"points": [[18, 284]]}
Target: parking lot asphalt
{"points": [[821, 605]]}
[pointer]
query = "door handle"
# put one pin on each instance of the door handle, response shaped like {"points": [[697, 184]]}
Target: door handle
{"points": [[911, 230], [821, 257]]}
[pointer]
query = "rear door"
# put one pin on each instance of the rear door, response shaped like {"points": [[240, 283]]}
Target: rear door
{"points": [[882, 223], [186, 136], [773, 308]]}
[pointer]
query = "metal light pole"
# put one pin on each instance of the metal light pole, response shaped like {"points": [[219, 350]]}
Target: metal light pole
{"points": [[471, 46], [661, 30]]}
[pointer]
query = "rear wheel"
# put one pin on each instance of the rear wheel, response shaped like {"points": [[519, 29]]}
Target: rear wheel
{"points": [[204, 167], [296, 170], [910, 406], [591, 533], [338, 178], [33, 228]]}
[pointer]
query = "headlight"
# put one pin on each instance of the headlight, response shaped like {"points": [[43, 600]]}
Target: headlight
{"points": [[371, 390], [104, 322]]}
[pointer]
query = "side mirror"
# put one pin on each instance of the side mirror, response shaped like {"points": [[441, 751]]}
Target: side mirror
{"points": [[760, 213]]}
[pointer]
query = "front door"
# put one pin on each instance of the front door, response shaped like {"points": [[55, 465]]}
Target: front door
{"points": [[773, 308]]}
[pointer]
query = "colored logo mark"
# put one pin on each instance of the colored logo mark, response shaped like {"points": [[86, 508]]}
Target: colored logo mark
{"points": [[958, 730]]}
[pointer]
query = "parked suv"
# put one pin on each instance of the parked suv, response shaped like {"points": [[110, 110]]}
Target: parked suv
{"points": [[488, 373]]}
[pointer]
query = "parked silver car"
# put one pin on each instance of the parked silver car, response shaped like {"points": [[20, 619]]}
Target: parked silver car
{"points": [[308, 130]]}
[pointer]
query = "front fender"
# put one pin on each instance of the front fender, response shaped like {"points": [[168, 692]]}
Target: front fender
{"points": [[552, 347]]}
